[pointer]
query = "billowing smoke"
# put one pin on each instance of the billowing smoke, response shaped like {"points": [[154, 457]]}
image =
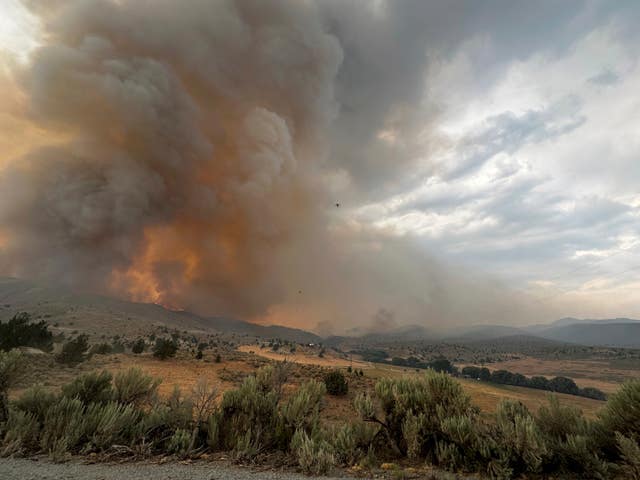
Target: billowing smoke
{"points": [[197, 147]]}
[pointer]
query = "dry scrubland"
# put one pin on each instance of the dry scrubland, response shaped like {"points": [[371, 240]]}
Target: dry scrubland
{"points": [[486, 395], [505, 445], [184, 371]]}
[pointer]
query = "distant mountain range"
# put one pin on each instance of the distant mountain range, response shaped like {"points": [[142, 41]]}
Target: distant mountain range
{"points": [[105, 315], [614, 332], [622, 332], [563, 322]]}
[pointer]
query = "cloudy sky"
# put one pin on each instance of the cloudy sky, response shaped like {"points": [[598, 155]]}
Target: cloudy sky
{"points": [[524, 145], [500, 138]]}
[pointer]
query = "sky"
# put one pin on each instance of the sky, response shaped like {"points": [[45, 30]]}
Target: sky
{"points": [[418, 162]]}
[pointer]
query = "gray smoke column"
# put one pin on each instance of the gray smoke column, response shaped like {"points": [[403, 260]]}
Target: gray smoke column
{"points": [[194, 166], [193, 131]]}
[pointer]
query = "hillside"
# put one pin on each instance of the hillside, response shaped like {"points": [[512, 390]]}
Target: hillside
{"points": [[98, 314], [483, 332]]}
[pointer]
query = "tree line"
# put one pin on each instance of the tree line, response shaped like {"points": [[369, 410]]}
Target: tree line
{"points": [[555, 384], [439, 364]]}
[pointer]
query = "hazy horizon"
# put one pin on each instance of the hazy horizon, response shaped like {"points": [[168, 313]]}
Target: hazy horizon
{"points": [[327, 165]]}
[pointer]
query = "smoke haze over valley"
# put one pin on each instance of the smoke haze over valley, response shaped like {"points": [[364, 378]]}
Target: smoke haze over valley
{"points": [[333, 166]]}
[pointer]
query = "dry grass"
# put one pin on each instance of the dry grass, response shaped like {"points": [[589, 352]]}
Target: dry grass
{"points": [[183, 371]]}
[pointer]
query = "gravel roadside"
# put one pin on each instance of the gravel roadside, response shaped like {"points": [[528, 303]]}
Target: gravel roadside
{"points": [[41, 469]]}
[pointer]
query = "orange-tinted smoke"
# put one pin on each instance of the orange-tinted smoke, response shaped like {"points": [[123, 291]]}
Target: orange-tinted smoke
{"points": [[193, 135]]}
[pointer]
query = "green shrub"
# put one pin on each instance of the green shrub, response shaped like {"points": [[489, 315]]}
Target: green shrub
{"points": [[300, 412], [20, 331], [251, 419], [139, 346], [466, 444], [591, 392], [336, 383], [164, 417], [363, 404], [101, 349], [248, 418], [539, 382], [36, 400], [521, 445], [117, 347], [165, 348], [179, 442], [90, 387], [563, 385], [135, 386], [63, 427], [558, 422], [273, 377], [570, 439], [344, 444], [630, 456], [442, 364], [109, 424], [180, 409], [314, 455], [213, 432], [74, 351], [303, 407], [414, 409], [351, 441], [203, 397], [20, 434], [622, 413], [11, 368]]}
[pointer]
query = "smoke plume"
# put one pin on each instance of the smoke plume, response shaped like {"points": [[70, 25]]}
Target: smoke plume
{"points": [[189, 154]]}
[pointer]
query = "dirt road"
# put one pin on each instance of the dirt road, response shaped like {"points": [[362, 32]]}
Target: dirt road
{"points": [[41, 469]]}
